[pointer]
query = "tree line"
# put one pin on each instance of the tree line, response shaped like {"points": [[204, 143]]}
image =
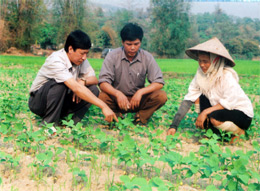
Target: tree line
{"points": [[168, 25]]}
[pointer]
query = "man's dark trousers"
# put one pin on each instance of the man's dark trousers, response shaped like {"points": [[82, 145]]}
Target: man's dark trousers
{"points": [[53, 101]]}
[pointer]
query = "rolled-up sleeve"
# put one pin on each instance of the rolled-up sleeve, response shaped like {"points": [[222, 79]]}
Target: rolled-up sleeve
{"points": [[86, 70], [154, 72], [107, 73]]}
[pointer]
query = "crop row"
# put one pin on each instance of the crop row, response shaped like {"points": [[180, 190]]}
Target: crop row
{"points": [[146, 157]]}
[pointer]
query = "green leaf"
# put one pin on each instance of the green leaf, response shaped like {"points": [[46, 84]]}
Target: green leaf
{"points": [[232, 185], [256, 145], [41, 156], [189, 174], [254, 187], [142, 184], [124, 178], [244, 177], [194, 169], [218, 177], [211, 188], [256, 175], [157, 181]]}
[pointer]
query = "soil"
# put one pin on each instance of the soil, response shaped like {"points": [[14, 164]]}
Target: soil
{"points": [[102, 171], [41, 52]]}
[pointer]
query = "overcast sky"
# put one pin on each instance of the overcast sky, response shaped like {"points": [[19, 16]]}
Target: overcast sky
{"points": [[239, 9]]}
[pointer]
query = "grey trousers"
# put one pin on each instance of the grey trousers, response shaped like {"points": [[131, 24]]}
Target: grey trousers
{"points": [[53, 101]]}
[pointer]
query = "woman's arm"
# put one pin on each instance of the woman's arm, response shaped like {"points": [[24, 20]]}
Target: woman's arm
{"points": [[183, 109], [203, 116]]}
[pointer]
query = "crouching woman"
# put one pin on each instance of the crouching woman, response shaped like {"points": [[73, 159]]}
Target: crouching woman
{"points": [[221, 102]]}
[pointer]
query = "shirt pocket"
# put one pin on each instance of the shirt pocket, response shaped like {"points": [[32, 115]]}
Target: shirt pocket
{"points": [[140, 79]]}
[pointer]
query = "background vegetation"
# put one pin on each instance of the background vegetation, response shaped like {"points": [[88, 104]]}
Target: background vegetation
{"points": [[169, 26]]}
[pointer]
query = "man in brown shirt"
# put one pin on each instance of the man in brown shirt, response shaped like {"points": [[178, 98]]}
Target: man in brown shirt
{"points": [[123, 74]]}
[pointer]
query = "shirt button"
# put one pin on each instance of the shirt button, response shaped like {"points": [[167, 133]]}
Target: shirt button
{"points": [[130, 82], [129, 73]]}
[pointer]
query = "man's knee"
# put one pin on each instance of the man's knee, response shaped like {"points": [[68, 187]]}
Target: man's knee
{"points": [[103, 96], [160, 96], [94, 90]]}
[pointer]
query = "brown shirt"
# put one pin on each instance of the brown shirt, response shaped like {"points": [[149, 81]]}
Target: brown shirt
{"points": [[126, 76]]}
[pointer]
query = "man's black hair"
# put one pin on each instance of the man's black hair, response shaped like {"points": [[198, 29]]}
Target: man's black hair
{"points": [[131, 32], [77, 39]]}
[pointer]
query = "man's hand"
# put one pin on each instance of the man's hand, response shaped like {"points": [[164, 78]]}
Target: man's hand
{"points": [[122, 101], [171, 131], [200, 120], [136, 99], [109, 114], [75, 98]]}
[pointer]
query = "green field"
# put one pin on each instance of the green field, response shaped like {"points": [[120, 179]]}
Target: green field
{"points": [[94, 156], [185, 66]]}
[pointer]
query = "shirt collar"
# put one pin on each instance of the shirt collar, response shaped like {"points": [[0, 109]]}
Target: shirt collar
{"points": [[136, 59], [67, 60]]}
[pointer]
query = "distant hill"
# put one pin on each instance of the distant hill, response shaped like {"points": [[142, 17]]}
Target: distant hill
{"points": [[239, 9]]}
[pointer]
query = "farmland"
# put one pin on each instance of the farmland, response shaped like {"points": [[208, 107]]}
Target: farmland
{"points": [[94, 155]]}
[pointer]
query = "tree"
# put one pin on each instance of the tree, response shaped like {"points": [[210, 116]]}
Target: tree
{"points": [[251, 49], [47, 36], [23, 18], [68, 15], [170, 27], [234, 46]]}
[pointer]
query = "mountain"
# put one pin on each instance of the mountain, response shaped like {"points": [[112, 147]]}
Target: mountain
{"points": [[239, 9]]}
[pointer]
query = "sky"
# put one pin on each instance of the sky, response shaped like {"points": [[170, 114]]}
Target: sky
{"points": [[239, 9]]}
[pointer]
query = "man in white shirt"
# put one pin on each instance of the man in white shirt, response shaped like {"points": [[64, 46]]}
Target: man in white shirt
{"points": [[66, 83]]}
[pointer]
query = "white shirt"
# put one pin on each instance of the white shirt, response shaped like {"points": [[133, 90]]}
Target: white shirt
{"points": [[58, 67], [226, 92]]}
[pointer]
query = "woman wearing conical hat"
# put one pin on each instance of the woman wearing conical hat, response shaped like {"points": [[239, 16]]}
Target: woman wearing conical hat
{"points": [[223, 105]]}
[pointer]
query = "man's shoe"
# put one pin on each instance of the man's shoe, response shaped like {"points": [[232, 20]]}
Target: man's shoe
{"points": [[51, 131]]}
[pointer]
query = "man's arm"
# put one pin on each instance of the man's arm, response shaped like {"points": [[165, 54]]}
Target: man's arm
{"points": [[90, 80], [85, 81], [135, 101], [85, 94], [122, 100]]}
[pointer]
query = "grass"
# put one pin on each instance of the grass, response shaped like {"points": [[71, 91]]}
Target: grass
{"points": [[184, 66]]}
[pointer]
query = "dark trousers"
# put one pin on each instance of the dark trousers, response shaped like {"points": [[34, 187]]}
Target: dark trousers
{"points": [[148, 104], [235, 116], [53, 101]]}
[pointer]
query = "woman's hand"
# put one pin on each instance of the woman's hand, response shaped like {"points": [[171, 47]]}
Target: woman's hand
{"points": [[200, 120]]}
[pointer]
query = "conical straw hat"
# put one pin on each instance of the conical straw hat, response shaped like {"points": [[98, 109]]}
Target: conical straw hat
{"points": [[213, 46]]}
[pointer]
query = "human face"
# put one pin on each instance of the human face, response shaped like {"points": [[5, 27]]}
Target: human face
{"points": [[77, 56], [131, 48], [204, 62]]}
